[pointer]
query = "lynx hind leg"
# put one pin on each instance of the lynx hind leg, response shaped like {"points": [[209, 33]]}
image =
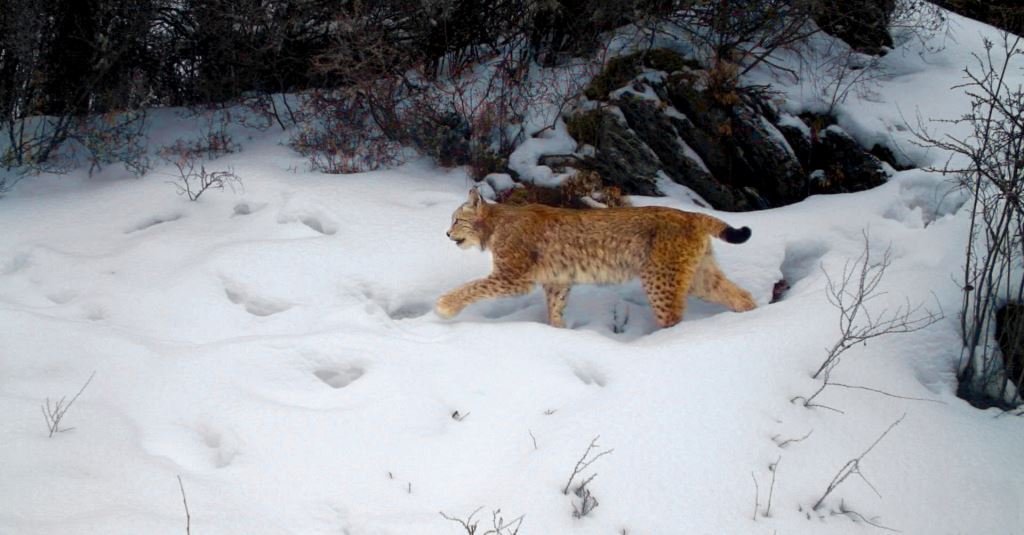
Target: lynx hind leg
{"points": [[710, 284], [556, 296], [453, 302], [666, 286]]}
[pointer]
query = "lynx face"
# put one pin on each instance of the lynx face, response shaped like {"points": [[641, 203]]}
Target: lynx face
{"points": [[465, 231]]}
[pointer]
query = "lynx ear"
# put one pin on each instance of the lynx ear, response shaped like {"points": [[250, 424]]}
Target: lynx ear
{"points": [[474, 198]]}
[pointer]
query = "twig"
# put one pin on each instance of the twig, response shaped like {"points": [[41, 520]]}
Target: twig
{"points": [[807, 403], [757, 497], [498, 524], [789, 441], [583, 463], [55, 413], [468, 524], [884, 393], [774, 468], [853, 466], [184, 500], [854, 515]]}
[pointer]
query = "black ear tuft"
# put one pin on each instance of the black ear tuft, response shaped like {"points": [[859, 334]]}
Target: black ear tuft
{"points": [[736, 235]]}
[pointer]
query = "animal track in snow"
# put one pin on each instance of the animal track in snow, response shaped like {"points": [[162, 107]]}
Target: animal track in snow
{"points": [[409, 310], [94, 312], [319, 225], [921, 201], [339, 377], [154, 221], [15, 264], [588, 375], [62, 297], [254, 305], [244, 208], [223, 453], [312, 218]]}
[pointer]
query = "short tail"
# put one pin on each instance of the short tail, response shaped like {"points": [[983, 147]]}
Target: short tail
{"points": [[735, 235], [721, 230]]}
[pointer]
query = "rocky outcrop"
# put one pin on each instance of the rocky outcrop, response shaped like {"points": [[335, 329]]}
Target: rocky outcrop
{"points": [[845, 166], [863, 24], [735, 150]]}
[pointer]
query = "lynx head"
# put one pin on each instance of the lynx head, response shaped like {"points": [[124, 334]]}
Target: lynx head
{"points": [[467, 230]]}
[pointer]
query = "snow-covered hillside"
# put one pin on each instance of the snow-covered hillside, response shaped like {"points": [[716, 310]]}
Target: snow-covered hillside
{"points": [[276, 348]]}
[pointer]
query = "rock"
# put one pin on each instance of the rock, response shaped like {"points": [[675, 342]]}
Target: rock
{"points": [[798, 136], [674, 156], [622, 158], [862, 24], [847, 166], [558, 162], [735, 150], [886, 155], [740, 147], [774, 168]]}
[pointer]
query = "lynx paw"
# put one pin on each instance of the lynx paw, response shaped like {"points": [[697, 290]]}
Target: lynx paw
{"points": [[445, 308], [745, 303]]}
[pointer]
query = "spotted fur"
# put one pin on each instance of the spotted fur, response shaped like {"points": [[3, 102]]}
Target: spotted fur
{"points": [[669, 250]]}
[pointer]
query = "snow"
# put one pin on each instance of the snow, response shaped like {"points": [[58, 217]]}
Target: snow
{"points": [[275, 348], [524, 158], [787, 119]]}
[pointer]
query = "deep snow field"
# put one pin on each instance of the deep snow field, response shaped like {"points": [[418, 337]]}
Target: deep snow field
{"points": [[275, 347]]}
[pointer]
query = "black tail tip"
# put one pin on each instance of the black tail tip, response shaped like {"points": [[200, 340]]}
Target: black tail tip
{"points": [[736, 235]]}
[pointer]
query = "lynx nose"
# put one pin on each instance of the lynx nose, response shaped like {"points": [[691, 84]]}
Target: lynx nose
{"points": [[448, 233]]}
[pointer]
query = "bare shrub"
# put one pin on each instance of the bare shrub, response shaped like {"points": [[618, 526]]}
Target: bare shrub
{"points": [[214, 140], [499, 526], [341, 135], [193, 183], [850, 294], [54, 412], [115, 137], [745, 33], [987, 165], [459, 102], [839, 71], [587, 501]]}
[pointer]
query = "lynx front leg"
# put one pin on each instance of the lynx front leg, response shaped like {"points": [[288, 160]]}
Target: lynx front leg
{"points": [[556, 296], [453, 302]]}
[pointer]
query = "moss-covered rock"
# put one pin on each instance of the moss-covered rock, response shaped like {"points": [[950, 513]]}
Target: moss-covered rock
{"points": [[621, 69], [585, 127]]}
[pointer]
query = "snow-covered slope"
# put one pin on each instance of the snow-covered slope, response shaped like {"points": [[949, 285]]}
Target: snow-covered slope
{"points": [[276, 349]]}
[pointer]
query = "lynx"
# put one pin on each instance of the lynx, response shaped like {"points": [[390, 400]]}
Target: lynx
{"points": [[668, 249]]}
